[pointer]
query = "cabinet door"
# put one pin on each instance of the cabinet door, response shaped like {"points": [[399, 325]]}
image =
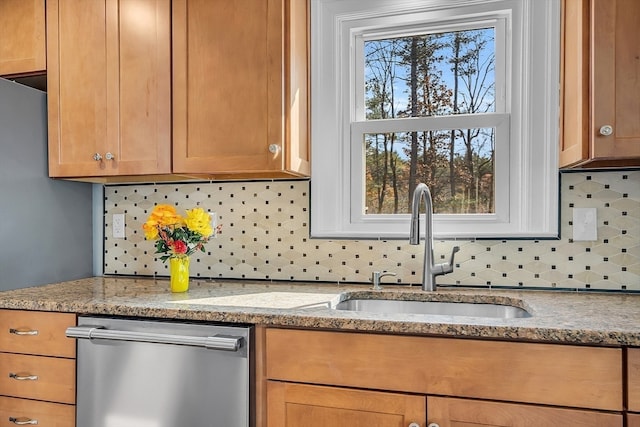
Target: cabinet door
{"points": [[601, 46], [299, 405], [22, 37], [230, 80], [633, 420], [450, 412], [108, 87], [575, 123], [633, 379], [616, 82]]}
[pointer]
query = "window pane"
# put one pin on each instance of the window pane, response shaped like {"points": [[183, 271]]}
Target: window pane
{"points": [[430, 74], [457, 165]]}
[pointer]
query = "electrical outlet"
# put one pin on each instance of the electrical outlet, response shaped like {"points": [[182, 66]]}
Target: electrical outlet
{"points": [[213, 220], [118, 226], [585, 224]]}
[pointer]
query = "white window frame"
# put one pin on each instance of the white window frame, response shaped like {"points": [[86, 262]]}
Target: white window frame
{"points": [[527, 112]]}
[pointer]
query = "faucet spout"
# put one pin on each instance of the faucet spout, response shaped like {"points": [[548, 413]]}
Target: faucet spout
{"points": [[430, 270]]}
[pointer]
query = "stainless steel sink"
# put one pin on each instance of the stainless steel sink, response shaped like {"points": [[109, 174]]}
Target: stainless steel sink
{"points": [[433, 308]]}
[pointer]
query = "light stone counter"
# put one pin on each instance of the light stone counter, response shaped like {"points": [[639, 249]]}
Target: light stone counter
{"points": [[562, 317]]}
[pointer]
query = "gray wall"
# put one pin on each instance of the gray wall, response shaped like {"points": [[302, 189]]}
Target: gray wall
{"points": [[45, 224]]}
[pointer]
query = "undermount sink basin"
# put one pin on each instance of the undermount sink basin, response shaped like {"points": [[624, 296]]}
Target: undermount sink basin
{"points": [[433, 308]]}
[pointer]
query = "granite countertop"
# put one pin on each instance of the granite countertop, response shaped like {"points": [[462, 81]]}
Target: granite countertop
{"points": [[561, 317]]}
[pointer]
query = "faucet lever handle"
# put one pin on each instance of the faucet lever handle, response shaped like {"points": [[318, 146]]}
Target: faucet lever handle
{"points": [[453, 256], [446, 267]]}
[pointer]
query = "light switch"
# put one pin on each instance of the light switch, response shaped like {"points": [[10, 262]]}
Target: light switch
{"points": [[585, 224]]}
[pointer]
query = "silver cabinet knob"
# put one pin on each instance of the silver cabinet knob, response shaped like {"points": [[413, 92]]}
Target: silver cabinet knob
{"points": [[109, 156], [274, 148], [97, 157], [606, 130], [433, 425], [414, 425]]}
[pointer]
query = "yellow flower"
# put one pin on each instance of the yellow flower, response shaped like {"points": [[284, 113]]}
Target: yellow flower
{"points": [[150, 230], [166, 216], [199, 221], [162, 216]]}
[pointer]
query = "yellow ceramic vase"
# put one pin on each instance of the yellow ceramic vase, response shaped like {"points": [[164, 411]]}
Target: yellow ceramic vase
{"points": [[179, 271]]}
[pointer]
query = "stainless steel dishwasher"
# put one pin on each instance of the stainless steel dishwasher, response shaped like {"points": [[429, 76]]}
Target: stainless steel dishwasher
{"points": [[141, 373]]}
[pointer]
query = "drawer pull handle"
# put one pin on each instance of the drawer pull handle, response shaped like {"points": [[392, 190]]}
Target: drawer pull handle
{"points": [[23, 377], [23, 331], [23, 421]]}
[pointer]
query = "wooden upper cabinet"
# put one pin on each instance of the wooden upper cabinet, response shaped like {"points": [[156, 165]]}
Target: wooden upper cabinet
{"points": [[240, 87], [109, 87], [22, 37], [601, 84]]}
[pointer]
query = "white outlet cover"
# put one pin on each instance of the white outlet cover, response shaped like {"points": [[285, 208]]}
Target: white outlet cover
{"points": [[214, 223], [585, 224], [118, 226]]}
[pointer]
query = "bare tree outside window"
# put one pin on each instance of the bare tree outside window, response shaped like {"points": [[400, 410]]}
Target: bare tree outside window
{"points": [[429, 75]]}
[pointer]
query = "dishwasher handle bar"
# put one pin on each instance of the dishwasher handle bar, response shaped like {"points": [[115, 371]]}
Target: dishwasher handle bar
{"points": [[215, 342]]}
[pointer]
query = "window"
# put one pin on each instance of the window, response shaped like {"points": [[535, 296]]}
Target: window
{"points": [[461, 95]]}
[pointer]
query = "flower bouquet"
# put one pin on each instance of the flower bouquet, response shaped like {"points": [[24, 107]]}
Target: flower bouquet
{"points": [[177, 237]]}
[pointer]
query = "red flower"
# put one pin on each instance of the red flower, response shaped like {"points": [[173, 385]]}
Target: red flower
{"points": [[179, 247]]}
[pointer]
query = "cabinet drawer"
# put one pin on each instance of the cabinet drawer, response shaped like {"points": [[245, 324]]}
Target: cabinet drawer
{"points": [[446, 411], [583, 377], [633, 379], [36, 332], [46, 414], [56, 377], [633, 420]]}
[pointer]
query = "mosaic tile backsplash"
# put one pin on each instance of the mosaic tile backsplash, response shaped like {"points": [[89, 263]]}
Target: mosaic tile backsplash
{"points": [[266, 236]]}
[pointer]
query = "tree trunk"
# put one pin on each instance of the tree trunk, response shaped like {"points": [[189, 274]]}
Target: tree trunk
{"points": [[413, 166], [452, 138]]}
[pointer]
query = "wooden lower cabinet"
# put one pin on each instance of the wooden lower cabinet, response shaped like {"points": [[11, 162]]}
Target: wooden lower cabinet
{"points": [[35, 377], [325, 378], [633, 420], [298, 405], [31, 412], [545, 374], [451, 412], [633, 379], [37, 369], [304, 405], [36, 332]]}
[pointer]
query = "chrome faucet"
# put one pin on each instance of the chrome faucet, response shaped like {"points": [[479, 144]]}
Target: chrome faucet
{"points": [[429, 270]]}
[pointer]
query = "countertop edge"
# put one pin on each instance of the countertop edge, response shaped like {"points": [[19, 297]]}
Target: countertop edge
{"points": [[561, 318]]}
